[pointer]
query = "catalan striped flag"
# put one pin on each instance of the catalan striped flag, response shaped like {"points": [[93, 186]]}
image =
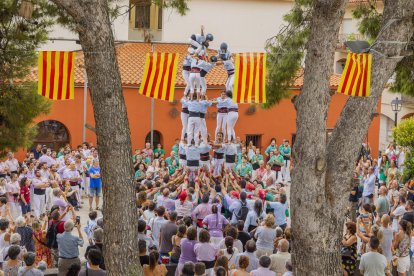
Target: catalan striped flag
{"points": [[55, 75], [356, 77], [250, 78], [158, 81]]}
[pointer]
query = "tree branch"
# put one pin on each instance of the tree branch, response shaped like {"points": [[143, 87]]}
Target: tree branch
{"points": [[72, 7]]}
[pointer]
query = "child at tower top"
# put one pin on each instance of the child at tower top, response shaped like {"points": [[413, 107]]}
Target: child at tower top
{"points": [[200, 41]]}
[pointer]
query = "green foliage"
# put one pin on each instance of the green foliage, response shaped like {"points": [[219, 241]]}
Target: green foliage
{"points": [[404, 133], [404, 136], [178, 5], [370, 19], [285, 52], [404, 76], [20, 37], [409, 165], [370, 25], [19, 104]]}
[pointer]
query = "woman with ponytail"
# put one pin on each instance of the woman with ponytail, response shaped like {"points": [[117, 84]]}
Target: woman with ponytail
{"points": [[154, 269], [230, 252], [401, 244], [254, 217], [215, 224]]}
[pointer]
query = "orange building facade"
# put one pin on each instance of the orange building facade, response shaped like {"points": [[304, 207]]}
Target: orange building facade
{"points": [[254, 123]]}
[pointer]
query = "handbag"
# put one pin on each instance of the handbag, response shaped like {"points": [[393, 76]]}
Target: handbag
{"points": [[346, 251]]}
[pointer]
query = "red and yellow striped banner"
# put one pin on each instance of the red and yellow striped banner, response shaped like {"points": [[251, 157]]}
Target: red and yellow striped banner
{"points": [[158, 81], [250, 78], [55, 75], [356, 77]]}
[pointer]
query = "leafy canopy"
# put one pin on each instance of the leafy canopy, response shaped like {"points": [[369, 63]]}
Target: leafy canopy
{"points": [[404, 133], [20, 103], [285, 52]]}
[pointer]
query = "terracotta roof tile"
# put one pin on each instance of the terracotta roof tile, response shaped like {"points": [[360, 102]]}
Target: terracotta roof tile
{"points": [[131, 61], [334, 80]]}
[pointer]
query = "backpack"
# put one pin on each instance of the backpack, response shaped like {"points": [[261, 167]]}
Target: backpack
{"points": [[51, 235], [242, 213]]}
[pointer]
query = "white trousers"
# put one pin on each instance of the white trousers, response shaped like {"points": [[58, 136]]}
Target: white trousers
{"points": [[183, 163], [193, 129], [229, 166], [221, 124], [286, 171], [78, 194], [87, 183], [230, 83], [232, 118], [15, 210], [203, 129], [49, 195], [39, 204], [203, 84], [279, 178], [192, 173], [184, 122], [186, 76], [217, 165], [205, 164], [195, 80]]}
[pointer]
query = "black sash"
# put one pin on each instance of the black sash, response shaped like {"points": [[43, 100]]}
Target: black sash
{"points": [[230, 158], [193, 163], [204, 156], [39, 191], [194, 114], [218, 155]]}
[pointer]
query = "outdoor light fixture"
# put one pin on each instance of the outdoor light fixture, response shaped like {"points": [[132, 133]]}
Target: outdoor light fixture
{"points": [[358, 46], [396, 106]]}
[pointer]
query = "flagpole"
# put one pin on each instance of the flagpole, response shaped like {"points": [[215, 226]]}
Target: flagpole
{"points": [[85, 97], [152, 110]]}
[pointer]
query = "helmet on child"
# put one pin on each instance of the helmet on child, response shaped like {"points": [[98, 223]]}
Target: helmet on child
{"points": [[213, 59], [223, 46], [223, 56], [209, 37]]}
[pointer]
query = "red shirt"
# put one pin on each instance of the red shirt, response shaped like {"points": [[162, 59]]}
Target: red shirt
{"points": [[60, 228], [25, 192]]}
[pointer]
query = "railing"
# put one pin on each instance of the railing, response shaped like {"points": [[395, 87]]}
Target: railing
{"points": [[340, 44]]}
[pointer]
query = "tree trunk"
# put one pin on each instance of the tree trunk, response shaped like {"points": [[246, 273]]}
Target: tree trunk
{"points": [[323, 169], [113, 134]]}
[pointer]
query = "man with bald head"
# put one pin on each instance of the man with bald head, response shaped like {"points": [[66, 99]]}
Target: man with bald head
{"points": [[383, 205], [165, 200], [278, 260]]}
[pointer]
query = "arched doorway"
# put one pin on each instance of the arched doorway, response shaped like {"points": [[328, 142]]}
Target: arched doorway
{"points": [[406, 116], [52, 134], [157, 138]]}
